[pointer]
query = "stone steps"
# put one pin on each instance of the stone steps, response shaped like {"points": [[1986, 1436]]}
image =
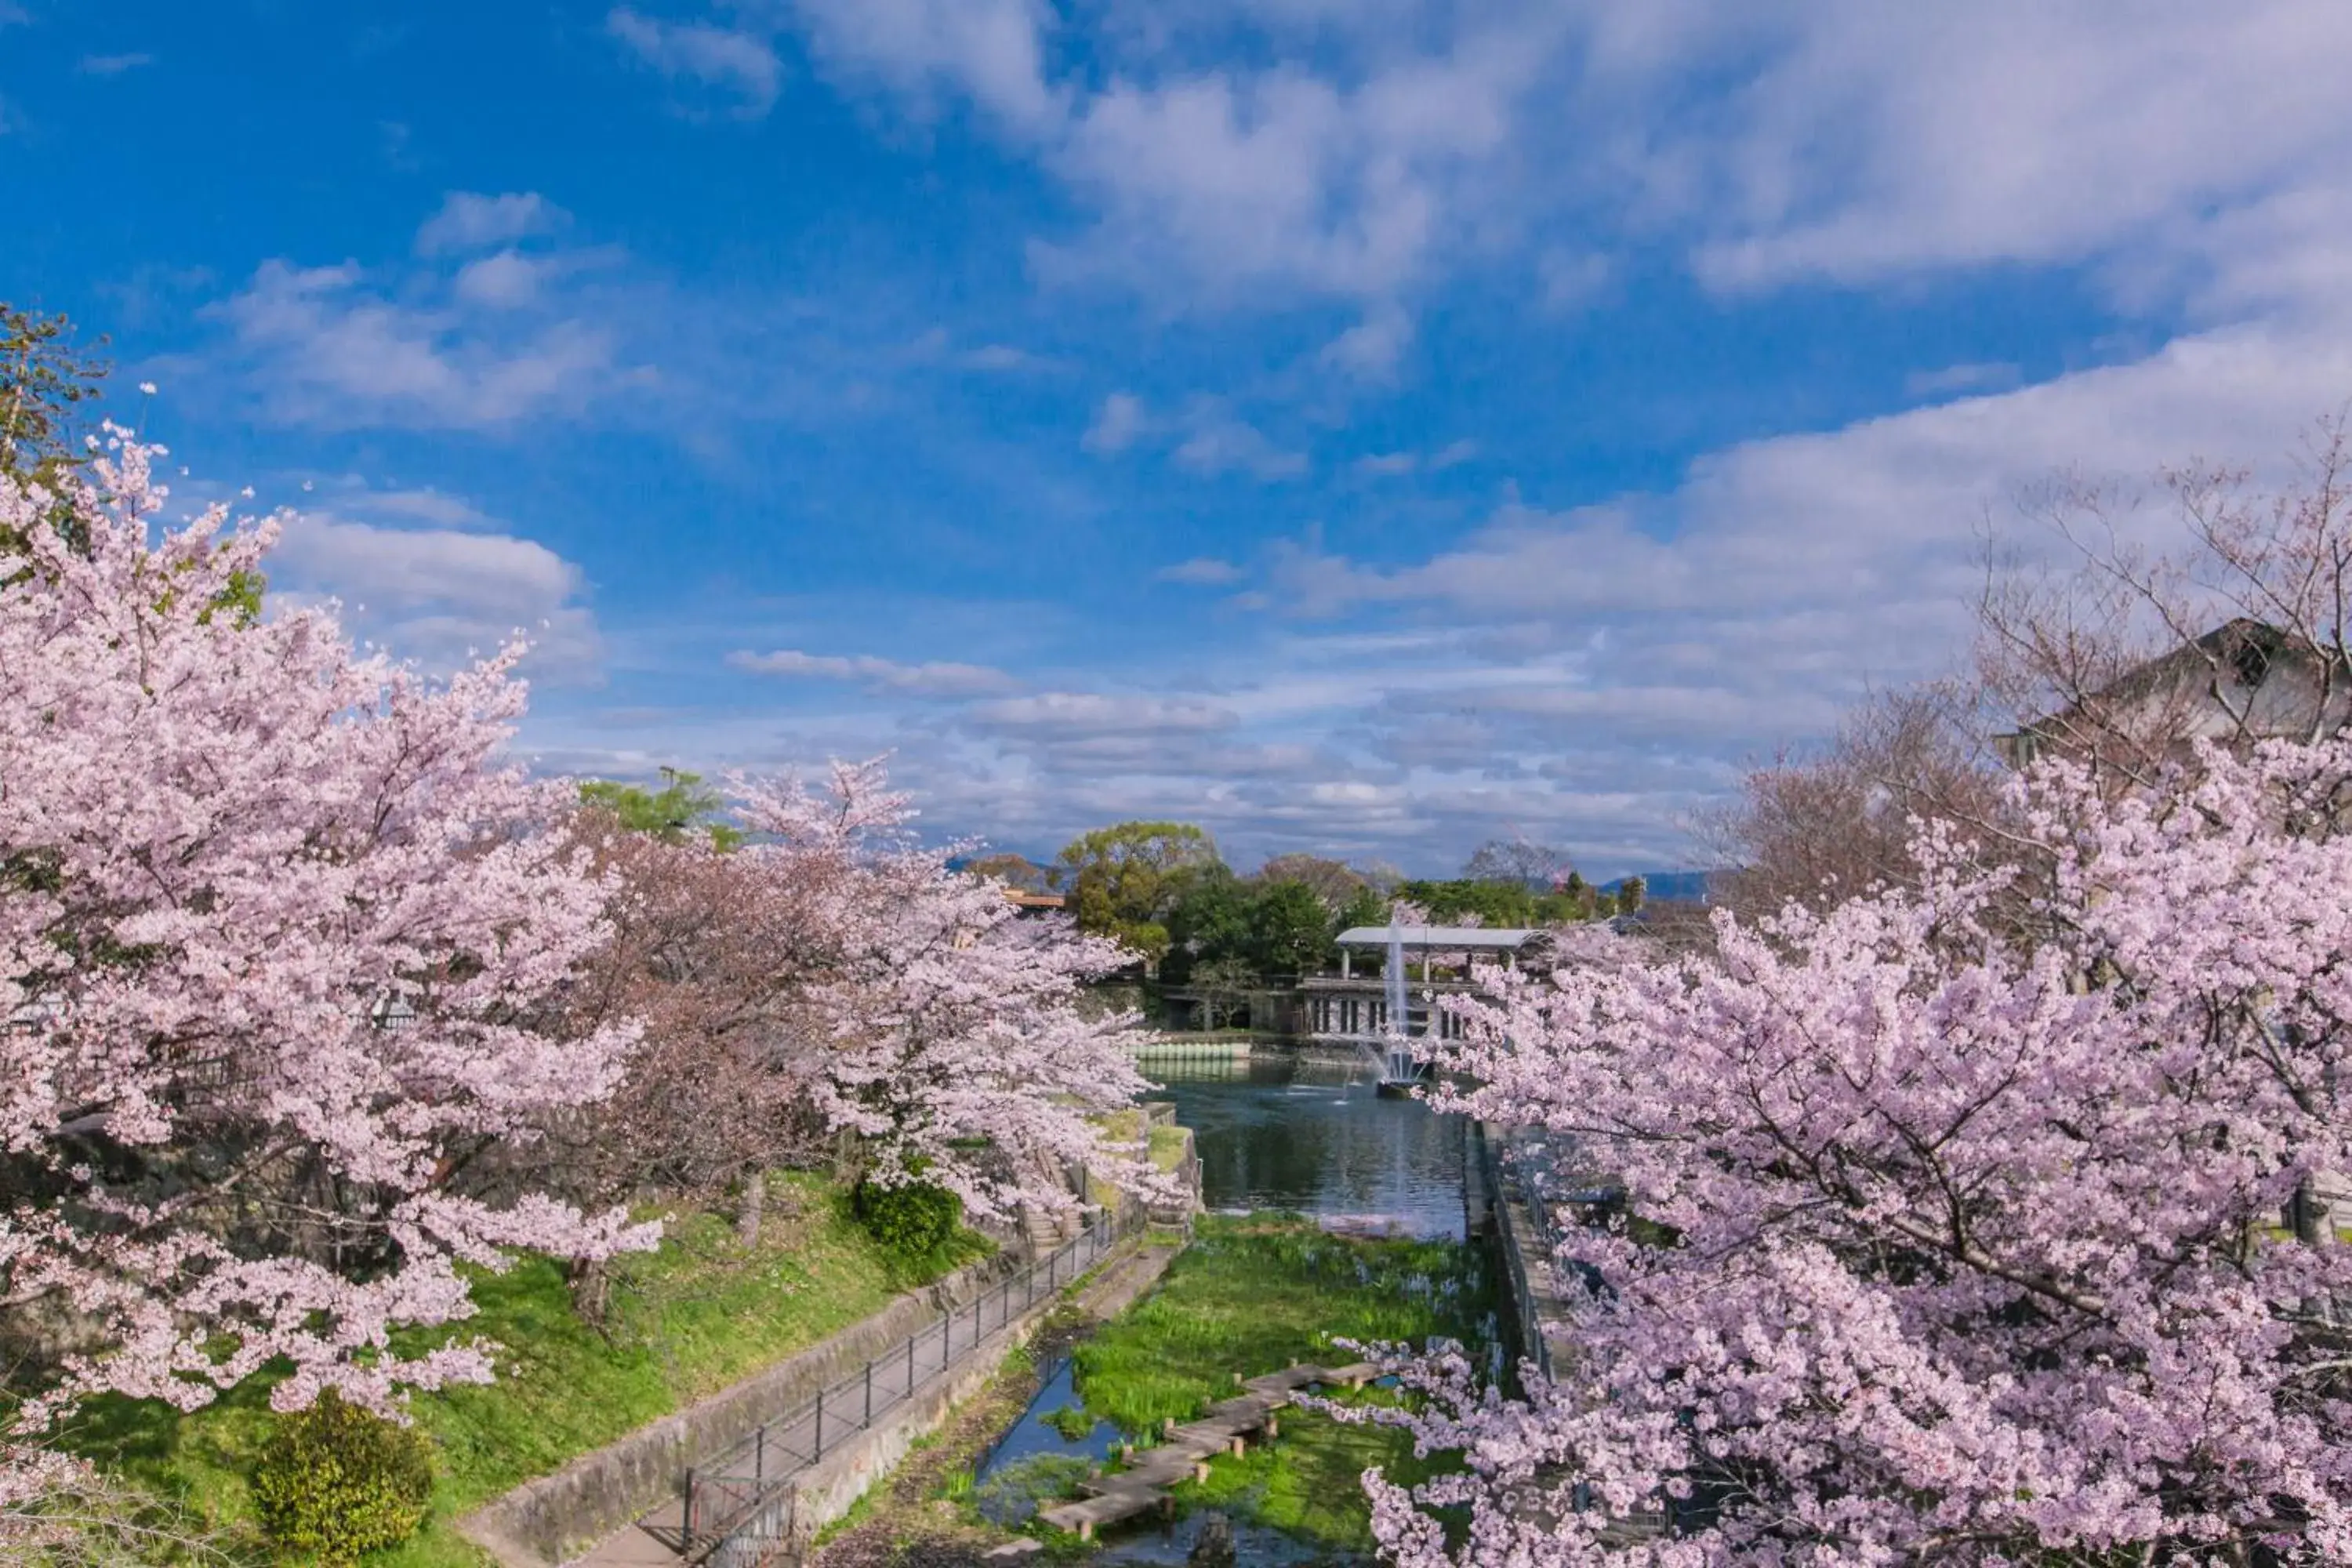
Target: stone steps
{"points": [[1184, 1451]]}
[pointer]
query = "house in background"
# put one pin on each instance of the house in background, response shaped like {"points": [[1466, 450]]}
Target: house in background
{"points": [[2244, 680]]}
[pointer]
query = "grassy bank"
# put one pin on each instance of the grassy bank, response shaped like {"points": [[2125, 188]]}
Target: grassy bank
{"points": [[1253, 1295], [685, 1321]]}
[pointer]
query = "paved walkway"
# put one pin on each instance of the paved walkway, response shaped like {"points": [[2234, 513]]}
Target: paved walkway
{"points": [[653, 1541]]}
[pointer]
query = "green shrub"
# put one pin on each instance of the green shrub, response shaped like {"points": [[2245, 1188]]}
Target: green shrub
{"points": [[336, 1480], [914, 1221]]}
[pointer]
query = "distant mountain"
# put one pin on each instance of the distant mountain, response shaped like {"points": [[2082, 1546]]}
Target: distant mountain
{"points": [[1678, 887]]}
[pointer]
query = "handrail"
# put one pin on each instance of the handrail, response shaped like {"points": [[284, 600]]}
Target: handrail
{"points": [[732, 1492]]}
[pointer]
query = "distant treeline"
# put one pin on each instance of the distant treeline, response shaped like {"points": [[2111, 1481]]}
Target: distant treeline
{"points": [[1162, 888]]}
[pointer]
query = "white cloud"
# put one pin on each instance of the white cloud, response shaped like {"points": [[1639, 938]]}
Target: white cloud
{"points": [[991, 49], [738, 64], [1573, 280], [1220, 443], [1876, 140], [468, 220], [1117, 425], [112, 65], [1962, 379], [320, 346], [1370, 349], [1202, 570], [505, 280], [438, 594], [1387, 464], [1066, 714], [929, 679]]}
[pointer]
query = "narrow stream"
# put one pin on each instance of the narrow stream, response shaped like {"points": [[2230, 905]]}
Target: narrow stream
{"points": [[1309, 1136]]}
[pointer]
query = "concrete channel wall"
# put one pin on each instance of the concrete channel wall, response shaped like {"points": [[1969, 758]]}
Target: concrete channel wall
{"points": [[542, 1523], [1495, 1195]]}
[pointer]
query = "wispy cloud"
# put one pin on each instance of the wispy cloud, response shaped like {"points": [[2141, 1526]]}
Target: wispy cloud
{"points": [[1220, 443], [1202, 570], [740, 64], [930, 679], [468, 220], [1117, 425], [321, 346], [112, 65], [1962, 378]]}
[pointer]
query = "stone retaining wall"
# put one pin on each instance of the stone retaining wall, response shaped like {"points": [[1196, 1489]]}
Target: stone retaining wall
{"points": [[540, 1522]]}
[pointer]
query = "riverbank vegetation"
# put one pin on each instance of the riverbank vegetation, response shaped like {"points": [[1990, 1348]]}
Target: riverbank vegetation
{"points": [[1253, 1294], [694, 1316]]}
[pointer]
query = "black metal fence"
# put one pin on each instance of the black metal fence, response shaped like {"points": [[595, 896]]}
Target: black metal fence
{"points": [[739, 1503]]}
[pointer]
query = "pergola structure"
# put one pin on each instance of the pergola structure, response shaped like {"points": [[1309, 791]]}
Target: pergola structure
{"points": [[1353, 1008]]}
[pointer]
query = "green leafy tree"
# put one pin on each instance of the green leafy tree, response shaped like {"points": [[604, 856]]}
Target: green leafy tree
{"points": [[1124, 882], [1365, 907], [1210, 918], [1495, 903], [1290, 930], [44, 381], [1224, 984], [682, 807], [1629, 894]]}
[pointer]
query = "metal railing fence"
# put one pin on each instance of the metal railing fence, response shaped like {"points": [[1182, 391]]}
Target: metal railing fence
{"points": [[743, 1494]]}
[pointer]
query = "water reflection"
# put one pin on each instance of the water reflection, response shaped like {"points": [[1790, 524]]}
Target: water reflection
{"points": [[1311, 1135]]}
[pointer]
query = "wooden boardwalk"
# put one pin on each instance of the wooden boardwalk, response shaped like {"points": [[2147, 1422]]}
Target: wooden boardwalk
{"points": [[1184, 1453]]}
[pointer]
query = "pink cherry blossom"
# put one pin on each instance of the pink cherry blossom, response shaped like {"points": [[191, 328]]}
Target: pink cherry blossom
{"points": [[958, 1044], [1958, 1210], [227, 851]]}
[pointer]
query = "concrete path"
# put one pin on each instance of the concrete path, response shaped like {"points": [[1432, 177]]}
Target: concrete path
{"points": [[653, 1541]]}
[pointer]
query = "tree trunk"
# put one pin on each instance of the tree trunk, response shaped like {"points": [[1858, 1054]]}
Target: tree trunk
{"points": [[754, 1208], [591, 1289], [2302, 1211]]}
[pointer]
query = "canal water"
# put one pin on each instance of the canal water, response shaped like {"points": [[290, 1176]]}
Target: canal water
{"points": [[1309, 1135], [1313, 1135]]}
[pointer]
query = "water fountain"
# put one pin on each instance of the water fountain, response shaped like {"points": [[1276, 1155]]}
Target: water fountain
{"points": [[1399, 1071]]}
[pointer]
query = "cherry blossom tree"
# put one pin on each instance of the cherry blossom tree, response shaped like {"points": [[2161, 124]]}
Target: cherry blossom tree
{"points": [[959, 1045], [283, 945], [713, 952], [1939, 1243]]}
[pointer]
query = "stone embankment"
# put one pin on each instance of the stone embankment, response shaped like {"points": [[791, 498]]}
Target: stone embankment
{"points": [[546, 1521]]}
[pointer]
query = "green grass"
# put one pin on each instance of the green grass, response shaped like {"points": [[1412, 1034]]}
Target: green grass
{"points": [[1255, 1294], [685, 1321], [1168, 1145], [1309, 1481]]}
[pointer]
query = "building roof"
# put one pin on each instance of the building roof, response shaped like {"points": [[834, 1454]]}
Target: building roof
{"points": [[1494, 938]]}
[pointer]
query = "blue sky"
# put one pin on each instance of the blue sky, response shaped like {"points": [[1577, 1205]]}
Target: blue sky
{"points": [[1363, 426]]}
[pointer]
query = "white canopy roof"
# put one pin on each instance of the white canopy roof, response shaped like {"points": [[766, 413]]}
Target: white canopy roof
{"points": [[1491, 938]]}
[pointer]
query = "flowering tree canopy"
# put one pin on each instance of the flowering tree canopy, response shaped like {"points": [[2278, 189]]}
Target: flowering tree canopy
{"points": [[1952, 1223], [230, 851], [956, 1046]]}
